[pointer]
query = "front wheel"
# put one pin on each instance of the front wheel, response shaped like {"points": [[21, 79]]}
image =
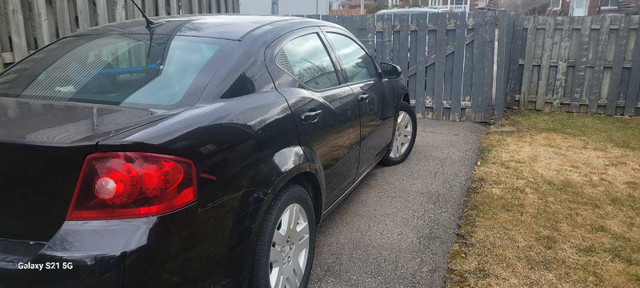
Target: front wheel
{"points": [[404, 136], [286, 241]]}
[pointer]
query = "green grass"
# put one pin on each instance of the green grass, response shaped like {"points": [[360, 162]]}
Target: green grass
{"points": [[598, 131], [555, 203]]}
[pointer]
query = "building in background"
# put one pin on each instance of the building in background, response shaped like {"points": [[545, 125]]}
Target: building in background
{"points": [[457, 5], [351, 7], [284, 7], [593, 7]]}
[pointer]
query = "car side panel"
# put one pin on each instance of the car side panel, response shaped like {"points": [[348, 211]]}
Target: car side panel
{"points": [[377, 105], [237, 145], [335, 137]]}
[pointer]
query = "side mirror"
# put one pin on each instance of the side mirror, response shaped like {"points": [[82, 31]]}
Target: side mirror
{"points": [[390, 71]]}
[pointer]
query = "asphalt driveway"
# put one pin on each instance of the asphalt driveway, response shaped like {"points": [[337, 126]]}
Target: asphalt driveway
{"points": [[396, 228]]}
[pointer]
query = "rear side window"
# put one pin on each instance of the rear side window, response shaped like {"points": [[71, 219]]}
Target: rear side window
{"points": [[127, 70], [355, 61], [307, 60]]}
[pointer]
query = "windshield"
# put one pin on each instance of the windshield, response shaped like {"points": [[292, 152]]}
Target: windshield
{"points": [[151, 71]]}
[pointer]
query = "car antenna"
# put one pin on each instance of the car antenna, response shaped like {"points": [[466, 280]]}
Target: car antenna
{"points": [[150, 23]]}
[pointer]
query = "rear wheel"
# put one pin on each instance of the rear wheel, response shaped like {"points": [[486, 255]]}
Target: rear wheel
{"points": [[286, 241], [404, 136]]}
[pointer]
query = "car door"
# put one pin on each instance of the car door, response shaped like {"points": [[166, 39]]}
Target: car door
{"points": [[373, 93], [325, 109]]}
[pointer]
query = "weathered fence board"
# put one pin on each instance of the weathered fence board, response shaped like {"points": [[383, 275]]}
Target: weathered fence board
{"points": [[506, 27], [458, 66], [546, 60], [634, 79], [591, 66], [17, 30], [528, 61], [616, 72], [441, 21], [26, 26], [421, 72]]}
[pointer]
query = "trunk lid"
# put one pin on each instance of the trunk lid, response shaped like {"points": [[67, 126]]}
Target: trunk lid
{"points": [[42, 149]]}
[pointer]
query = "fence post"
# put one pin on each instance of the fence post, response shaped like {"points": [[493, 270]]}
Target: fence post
{"points": [[546, 63], [581, 65], [421, 64], [82, 11], [458, 72], [162, 8], [563, 58], [598, 70], [120, 13], [41, 22], [16, 24], [173, 6], [528, 61], [634, 79], [618, 62], [441, 22], [489, 62], [101, 10], [386, 37], [504, 37], [477, 88], [515, 74], [1, 59]]}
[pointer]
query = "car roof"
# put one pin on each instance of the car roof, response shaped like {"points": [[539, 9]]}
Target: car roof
{"points": [[231, 27]]}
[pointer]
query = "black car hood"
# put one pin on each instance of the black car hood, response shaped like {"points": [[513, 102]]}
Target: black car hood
{"points": [[67, 122]]}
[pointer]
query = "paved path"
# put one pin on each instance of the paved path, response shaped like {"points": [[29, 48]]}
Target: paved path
{"points": [[395, 229]]}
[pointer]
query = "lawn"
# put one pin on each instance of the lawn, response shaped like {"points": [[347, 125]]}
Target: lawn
{"points": [[555, 203]]}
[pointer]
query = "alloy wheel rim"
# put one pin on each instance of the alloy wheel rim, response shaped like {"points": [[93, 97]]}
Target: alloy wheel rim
{"points": [[402, 137], [289, 248]]}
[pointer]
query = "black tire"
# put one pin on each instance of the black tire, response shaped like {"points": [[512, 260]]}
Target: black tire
{"points": [[290, 194], [388, 160]]}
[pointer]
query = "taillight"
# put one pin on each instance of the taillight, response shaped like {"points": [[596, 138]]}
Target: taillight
{"points": [[132, 185]]}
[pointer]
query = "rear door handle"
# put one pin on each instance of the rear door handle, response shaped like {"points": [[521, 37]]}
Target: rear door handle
{"points": [[363, 98], [311, 117]]}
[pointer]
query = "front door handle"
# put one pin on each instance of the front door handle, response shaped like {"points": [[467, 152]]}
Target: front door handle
{"points": [[363, 98], [311, 117]]}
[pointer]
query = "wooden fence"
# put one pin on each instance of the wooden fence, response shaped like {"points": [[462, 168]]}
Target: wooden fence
{"points": [[458, 66], [447, 58], [574, 64], [27, 25]]}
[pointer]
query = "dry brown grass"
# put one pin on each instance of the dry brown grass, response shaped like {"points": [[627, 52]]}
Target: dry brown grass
{"points": [[554, 204]]}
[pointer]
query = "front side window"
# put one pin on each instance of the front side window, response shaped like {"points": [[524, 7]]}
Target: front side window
{"points": [[355, 61], [307, 60], [127, 70]]}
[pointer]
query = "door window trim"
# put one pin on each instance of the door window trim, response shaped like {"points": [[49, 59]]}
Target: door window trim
{"points": [[336, 67], [325, 31]]}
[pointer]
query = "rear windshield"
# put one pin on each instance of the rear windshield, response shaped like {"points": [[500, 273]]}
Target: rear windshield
{"points": [[139, 70]]}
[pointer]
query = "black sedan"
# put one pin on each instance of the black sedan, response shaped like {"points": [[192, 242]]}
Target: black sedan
{"points": [[194, 152]]}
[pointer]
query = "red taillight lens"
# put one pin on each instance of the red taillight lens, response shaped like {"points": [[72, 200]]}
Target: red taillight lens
{"points": [[132, 185]]}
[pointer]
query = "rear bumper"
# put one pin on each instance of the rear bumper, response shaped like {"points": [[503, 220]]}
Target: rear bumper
{"points": [[186, 248], [81, 254], [103, 272]]}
